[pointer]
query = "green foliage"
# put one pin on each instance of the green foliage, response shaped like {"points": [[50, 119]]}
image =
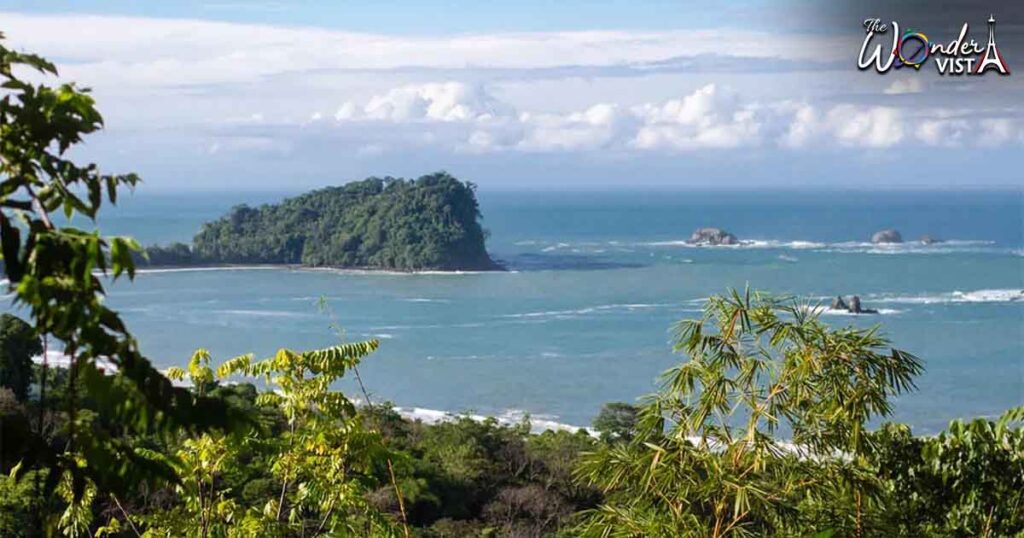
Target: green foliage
{"points": [[706, 460], [426, 223], [617, 421], [15, 430], [19, 506], [467, 477], [18, 344], [57, 275], [321, 464], [164, 255], [967, 481]]}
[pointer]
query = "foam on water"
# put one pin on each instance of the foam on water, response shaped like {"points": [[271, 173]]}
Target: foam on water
{"points": [[57, 358], [374, 272], [825, 311], [159, 270], [588, 310], [860, 247], [976, 296], [263, 313], [510, 417]]}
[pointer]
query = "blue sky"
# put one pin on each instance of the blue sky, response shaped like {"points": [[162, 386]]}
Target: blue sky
{"points": [[227, 94], [425, 17]]}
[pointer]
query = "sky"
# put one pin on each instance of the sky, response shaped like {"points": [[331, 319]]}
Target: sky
{"points": [[284, 96]]}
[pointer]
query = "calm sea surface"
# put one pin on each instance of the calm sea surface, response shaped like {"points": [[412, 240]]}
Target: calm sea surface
{"points": [[597, 281]]}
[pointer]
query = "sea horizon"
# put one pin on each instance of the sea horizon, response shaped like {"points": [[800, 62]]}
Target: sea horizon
{"points": [[596, 281]]}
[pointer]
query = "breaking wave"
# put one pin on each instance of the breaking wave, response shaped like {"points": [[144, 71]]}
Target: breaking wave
{"points": [[539, 423], [976, 296], [159, 270], [862, 247], [826, 311], [628, 307], [263, 313]]}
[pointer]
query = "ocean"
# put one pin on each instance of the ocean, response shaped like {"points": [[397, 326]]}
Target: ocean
{"points": [[596, 282]]}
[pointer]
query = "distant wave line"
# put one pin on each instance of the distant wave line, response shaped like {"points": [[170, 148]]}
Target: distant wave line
{"points": [[908, 247], [1012, 295], [539, 423]]}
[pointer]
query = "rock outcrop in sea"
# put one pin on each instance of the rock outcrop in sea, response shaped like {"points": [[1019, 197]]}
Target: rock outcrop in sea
{"points": [[853, 307], [712, 237], [887, 236], [929, 240]]}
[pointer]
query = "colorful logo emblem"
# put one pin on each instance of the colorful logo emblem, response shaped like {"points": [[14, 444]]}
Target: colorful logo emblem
{"points": [[912, 48]]}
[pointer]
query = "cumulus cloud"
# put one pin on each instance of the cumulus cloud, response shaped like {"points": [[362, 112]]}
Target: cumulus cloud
{"points": [[873, 127], [948, 132], [599, 126], [447, 101], [274, 90], [710, 117]]}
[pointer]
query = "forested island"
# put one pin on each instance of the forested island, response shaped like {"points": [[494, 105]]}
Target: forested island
{"points": [[428, 223]]}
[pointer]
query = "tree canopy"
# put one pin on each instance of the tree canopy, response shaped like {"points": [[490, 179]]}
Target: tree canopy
{"points": [[57, 274], [707, 458], [18, 344], [381, 223]]}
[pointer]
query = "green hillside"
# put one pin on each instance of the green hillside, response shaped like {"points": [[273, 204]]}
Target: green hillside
{"points": [[380, 223]]}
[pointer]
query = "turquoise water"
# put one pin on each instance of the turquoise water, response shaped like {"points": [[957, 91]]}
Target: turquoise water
{"points": [[597, 281]]}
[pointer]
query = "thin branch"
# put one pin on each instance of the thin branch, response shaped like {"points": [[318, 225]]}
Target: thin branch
{"points": [[401, 502], [126, 516], [42, 412], [323, 522], [391, 470], [366, 396], [284, 481]]}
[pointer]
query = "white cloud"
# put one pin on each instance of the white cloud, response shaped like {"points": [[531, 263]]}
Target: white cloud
{"points": [[710, 117], [999, 131], [904, 85], [371, 95], [599, 126], [347, 111], [948, 132], [873, 126], [154, 52], [803, 127], [447, 101]]}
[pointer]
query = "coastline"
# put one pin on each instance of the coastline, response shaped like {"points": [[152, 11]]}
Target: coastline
{"points": [[326, 268]]}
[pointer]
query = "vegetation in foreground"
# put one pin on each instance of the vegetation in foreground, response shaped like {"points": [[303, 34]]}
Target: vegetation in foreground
{"points": [[313, 464], [428, 223], [89, 452]]}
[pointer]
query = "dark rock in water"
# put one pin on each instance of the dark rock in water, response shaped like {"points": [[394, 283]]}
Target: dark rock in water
{"points": [[855, 307], [839, 304], [887, 236], [929, 240], [712, 237]]}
